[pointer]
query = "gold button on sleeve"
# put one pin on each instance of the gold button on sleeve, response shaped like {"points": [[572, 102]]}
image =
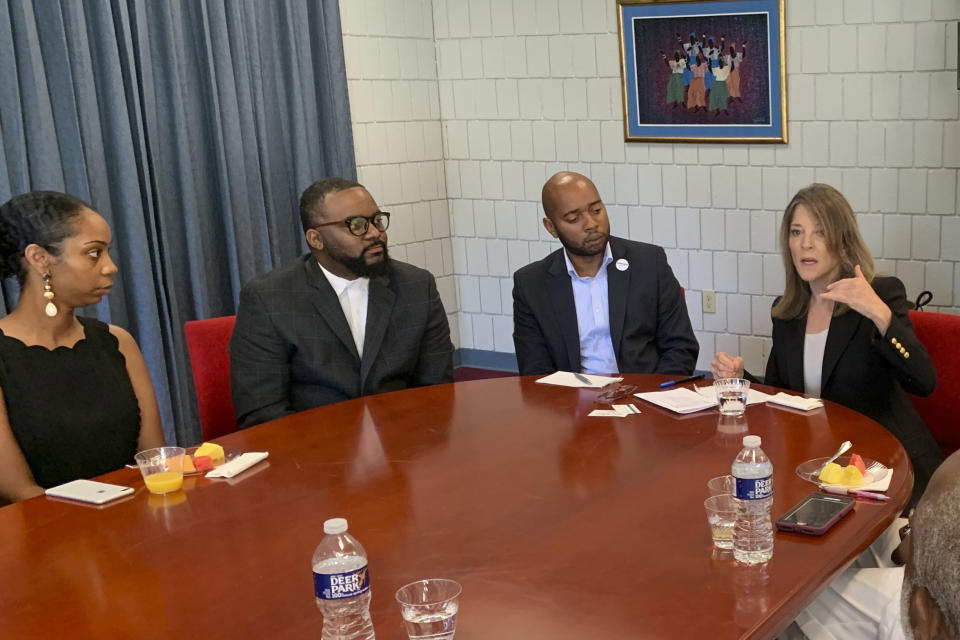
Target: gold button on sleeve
{"points": [[906, 354]]}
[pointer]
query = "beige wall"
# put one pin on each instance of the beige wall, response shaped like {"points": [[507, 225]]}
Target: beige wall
{"points": [[462, 108]]}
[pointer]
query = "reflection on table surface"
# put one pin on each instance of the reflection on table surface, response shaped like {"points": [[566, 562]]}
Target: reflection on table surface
{"points": [[557, 525]]}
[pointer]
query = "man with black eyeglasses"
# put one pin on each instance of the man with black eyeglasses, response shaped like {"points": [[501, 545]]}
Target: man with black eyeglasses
{"points": [[340, 322]]}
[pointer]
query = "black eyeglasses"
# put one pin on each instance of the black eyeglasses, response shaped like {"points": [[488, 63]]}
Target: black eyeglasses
{"points": [[358, 225], [615, 391]]}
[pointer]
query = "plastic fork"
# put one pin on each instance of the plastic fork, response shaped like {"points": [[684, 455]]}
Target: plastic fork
{"points": [[876, 466], [878, 471]]}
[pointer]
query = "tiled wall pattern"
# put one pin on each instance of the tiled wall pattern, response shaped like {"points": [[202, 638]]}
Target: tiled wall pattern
{"points": [[389, 51], [524, 88]]}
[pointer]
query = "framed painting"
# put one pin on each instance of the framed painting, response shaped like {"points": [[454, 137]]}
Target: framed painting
{"points": [[703, 70]]}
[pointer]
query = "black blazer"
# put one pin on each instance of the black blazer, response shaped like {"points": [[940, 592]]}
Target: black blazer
{"points": [[292, 348], [649, 324], [867, 372]]}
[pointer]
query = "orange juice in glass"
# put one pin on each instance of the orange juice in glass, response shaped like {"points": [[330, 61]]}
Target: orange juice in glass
{"points": [[162, 468]]}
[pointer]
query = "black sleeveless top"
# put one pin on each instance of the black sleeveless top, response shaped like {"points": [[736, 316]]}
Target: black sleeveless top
{"points": [[72, 410]]}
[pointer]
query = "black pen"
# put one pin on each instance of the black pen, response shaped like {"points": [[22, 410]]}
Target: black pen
{"points": [[670, 383], [583, 379]]}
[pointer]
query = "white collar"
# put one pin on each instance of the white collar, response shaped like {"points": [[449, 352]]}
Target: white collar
{"points": [[340, 284], [607, 259]]}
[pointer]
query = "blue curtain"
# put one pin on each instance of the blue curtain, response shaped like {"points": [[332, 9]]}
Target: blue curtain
{"points": [[192, 127]]}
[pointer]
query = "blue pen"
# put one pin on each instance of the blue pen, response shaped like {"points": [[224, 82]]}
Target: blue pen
{"points": [[670, 383]]}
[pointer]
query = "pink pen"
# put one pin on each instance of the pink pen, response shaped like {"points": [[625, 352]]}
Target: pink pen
{"points": [[855, 492]]}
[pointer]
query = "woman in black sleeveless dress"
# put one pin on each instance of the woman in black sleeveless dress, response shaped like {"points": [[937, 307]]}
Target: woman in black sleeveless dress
{"points": [[75, 396]]}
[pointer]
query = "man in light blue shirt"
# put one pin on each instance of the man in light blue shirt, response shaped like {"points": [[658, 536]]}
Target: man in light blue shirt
{"points": [[600, 304], [593, 317]]}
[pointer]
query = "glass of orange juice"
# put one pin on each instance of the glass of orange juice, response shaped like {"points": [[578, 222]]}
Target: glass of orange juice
{"points": [[162, 468]]}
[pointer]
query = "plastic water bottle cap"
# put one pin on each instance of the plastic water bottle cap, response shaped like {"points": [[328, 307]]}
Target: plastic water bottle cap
{"points": [[751, 441], [335, 525]]}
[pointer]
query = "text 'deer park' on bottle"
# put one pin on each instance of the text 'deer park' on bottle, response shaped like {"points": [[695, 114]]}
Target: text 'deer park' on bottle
{"points": [[342, 584], [753, 498]]}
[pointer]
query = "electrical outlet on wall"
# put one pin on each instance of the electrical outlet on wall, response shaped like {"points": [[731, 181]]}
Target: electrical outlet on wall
{"points": [[709, 301]]}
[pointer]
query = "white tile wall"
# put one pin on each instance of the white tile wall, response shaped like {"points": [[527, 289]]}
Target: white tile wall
{"points": [[463, 108]]}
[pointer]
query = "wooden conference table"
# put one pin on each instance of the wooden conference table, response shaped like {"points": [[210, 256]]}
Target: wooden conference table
{"points": [[557, 525]]}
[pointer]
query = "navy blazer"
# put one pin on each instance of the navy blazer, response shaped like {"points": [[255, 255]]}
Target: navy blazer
{"points": [[649, 324], [868, 372], [292, 348]]}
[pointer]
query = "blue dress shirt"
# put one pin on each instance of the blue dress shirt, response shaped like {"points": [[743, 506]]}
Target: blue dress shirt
{"points": [[593, 318]]}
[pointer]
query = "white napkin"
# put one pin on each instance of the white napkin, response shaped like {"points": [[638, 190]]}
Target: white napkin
{"points": [[617, 411], [795, 402], [238, 465], [568, 379]]}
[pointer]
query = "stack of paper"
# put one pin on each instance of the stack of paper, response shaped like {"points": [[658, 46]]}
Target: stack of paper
{"points": [[581, 380], [682, 400], [753, 396]]}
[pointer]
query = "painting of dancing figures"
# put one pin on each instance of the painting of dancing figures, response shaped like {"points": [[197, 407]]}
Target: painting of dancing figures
{"points": [[703, 71]]}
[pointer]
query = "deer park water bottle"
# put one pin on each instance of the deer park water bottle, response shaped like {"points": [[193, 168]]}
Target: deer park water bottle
{"points": [[753, 497], [342, 584]]}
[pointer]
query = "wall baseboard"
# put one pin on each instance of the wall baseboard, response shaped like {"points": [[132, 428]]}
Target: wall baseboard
{"points": [[495, 360], [482, 359]]}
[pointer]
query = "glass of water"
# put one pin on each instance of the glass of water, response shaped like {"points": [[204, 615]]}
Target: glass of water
{"points": [[732, 395], [429, 608], [721, 516]]}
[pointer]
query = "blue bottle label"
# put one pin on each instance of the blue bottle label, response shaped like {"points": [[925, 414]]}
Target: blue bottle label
{"points": [[754, 488], [333, 586]]}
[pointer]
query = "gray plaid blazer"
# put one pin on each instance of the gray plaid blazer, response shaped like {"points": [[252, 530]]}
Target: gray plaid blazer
{"points": [[292, 348]]}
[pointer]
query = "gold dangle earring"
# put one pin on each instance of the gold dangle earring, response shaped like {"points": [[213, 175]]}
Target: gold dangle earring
{"points": [[51, 309]]}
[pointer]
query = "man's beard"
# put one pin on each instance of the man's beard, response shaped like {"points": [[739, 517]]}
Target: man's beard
{"points": [[582, 250], [361, 268]]}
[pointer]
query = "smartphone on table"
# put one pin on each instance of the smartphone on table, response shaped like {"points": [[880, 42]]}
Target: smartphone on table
{"points": [[816, 513], [89, 491]]}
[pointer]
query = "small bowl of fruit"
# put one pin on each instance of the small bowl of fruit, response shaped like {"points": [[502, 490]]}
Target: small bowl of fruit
{"points": [[849, 471]]}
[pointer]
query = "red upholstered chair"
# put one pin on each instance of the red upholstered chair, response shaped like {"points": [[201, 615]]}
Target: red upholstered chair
{"points": [[207, 342], [940, 334]]}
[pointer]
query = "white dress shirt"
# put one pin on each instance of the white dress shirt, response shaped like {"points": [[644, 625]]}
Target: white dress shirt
{"points": [[353, 296]]}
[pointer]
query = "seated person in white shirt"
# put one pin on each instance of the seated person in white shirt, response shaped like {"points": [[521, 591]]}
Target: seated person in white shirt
{"points": [[920, 600], [340, 322], [599, 304]]}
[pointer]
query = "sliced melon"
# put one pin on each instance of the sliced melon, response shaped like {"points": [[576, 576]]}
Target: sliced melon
{"points": [[857, 461], [851, 476], [831, 474], [214, 451]]}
